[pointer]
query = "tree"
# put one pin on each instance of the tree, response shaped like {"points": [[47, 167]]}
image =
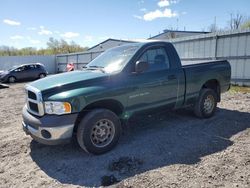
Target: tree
{"points": [[54, 46], [213, 28], [235, 21], [245, 24], [62, 46]]}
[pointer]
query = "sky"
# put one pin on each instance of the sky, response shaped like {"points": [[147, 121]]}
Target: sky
{"points": [[30, 23]]}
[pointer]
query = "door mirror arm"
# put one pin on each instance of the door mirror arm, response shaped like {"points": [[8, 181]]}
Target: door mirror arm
{"points": [[141, 66]]}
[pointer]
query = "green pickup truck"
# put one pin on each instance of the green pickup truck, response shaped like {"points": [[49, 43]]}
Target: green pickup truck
{"points": [[92, 104]]}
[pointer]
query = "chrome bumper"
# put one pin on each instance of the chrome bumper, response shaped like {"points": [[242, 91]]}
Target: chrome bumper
{"points": [[49, 129], [58, 134]]}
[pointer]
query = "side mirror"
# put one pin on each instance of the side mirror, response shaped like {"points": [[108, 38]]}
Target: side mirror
{"points": [[141, 66]]}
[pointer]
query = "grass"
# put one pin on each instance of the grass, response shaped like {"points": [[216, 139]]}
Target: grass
{"points": [[239, 89]]}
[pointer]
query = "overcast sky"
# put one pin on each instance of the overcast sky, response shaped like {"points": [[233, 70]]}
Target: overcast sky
{"points": [[32, 22]]}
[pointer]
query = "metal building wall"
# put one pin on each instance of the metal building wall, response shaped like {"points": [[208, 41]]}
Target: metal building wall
{"points": [[233, 46], [6, 62], [79, 60], [83, 58], [110, 43]]}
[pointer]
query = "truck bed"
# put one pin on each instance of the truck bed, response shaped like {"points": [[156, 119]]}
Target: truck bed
{"points": [[198, 73], [188, 63]]}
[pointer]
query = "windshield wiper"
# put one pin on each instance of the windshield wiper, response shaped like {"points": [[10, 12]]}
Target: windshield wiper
{"points": [[95, 67]]}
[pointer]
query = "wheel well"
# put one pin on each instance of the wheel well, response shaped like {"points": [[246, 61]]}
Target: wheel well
{"points": [[11, 76], [42, 73], [109, 104], [214, 85]]}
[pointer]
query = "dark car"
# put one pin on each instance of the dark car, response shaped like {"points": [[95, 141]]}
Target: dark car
{"points": [[24, 72]]}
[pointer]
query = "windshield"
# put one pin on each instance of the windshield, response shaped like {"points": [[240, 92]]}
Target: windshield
{"points": [[115, 59], [13, 68]]}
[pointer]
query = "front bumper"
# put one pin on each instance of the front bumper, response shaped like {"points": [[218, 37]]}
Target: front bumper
{"points": [[3, 79], [49, 129]]}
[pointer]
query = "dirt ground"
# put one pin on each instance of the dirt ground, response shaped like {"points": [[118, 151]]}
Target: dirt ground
{"points": [[167, 149]]}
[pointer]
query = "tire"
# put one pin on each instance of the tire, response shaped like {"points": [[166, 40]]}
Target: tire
{"points": [[99, 131], [42, 75], [206, 104], [11, 79]]}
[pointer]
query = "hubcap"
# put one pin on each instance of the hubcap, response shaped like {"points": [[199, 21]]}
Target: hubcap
{"points": [[102, 133], [11, 79], [209, 104], [42, 76]]}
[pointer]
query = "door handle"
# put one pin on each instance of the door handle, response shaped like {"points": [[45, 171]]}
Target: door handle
{"points": [[171, 77]]}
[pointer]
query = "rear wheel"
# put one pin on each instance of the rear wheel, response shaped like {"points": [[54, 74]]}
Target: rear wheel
{"points": [[99, 131], [42, 75], [206, 104], [12, 79]]}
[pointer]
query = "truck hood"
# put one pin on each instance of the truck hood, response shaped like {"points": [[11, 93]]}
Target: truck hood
{"points": [[64, 80]]}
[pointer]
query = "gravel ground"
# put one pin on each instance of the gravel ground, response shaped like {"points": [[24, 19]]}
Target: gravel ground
{"points": [[167, 149]]}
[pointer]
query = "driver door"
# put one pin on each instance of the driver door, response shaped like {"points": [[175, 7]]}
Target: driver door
{"points": [[21, 73], [156, 86]]}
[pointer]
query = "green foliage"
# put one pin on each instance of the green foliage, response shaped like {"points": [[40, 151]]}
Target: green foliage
{"points": [[54, 46], [246, 25], [241, 89]]}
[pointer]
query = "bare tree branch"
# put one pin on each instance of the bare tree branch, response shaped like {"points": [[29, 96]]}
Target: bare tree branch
{"points": [[235, 21]]}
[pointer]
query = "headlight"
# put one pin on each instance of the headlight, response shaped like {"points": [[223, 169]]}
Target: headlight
{"points": [[52, 107]]}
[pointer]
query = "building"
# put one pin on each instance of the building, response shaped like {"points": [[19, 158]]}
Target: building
{"points": [[109, 43], [171, 34], [167, 34]]}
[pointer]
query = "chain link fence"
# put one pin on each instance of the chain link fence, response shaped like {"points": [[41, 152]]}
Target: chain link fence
{"points": [[78, 59]]}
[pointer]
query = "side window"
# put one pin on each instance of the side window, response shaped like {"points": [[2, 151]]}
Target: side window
{"points": [[27, 67], [23, 68], [157, 59], [33, 67], [19, 69]]}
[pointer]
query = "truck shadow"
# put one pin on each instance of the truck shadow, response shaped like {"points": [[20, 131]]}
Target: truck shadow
{"points": [[150, 142]]}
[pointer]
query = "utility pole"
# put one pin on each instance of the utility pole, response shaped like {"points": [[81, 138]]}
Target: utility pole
{"points": [[231, 21], [215, 22], [177, 24]]}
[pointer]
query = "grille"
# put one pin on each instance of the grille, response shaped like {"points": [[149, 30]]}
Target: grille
{"points": [[33, 107], [32, 95], [34, 101]]}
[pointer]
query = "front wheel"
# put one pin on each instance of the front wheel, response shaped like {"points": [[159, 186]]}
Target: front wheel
{"points": [[11, 79], [99, 131], [206, 104]]}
